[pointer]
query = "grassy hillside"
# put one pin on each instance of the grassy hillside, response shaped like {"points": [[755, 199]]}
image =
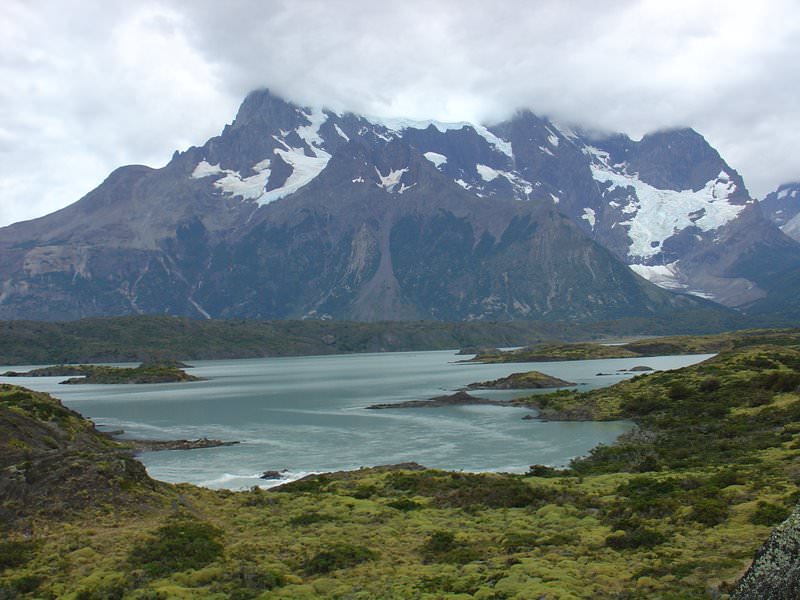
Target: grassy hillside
{"points": [[138, 338], [674, 510]]}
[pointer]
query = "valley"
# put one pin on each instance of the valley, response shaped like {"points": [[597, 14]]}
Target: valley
{"points": [[677, 506]]}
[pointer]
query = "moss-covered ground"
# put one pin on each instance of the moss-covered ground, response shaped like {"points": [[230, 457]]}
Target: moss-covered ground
{"points": [[675, 510]]}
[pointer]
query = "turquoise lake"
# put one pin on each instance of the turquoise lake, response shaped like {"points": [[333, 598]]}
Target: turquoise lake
{"points": [[308, 414]]}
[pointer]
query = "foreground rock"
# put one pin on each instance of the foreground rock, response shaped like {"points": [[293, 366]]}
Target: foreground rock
{"points": [[521, 381], [775, 572], [457, 399]]}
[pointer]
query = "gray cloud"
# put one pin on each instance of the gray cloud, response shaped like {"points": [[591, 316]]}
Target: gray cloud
{"points": [[92, 85]]}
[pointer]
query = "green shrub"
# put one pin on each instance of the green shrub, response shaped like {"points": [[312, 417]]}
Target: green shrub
{"points": [[522, 541], [470, 490], [652, 497], [710, 384], [26, 584], [16, 553], [105, 586], [183, 544], [778, 381], [543, 471], [363, 492], [769, 514], [439, 542], [310, 518], [405, 504], [444, 547], [339, 556], [637, 537], [678, 390], [709, 511]]}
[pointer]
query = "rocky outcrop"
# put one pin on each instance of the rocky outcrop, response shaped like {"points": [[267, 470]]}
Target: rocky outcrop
{"points": [[775, 571], [521, 381], [53, 461]]}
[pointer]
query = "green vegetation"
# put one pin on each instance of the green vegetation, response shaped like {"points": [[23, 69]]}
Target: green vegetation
{"points": [[338, 556], [139, 338], [675, 509], [521, 381], [180, 545], [698, 344]]}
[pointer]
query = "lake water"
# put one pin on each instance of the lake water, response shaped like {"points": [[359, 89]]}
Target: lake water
{"points": [[307, 414]]}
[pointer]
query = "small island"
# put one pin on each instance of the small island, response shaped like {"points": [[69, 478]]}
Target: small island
{"points": [[82, 374], [457, 399], [522, 381], [159, 445]]}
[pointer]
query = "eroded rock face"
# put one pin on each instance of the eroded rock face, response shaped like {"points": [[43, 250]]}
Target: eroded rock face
{"points": [[775, 572]]}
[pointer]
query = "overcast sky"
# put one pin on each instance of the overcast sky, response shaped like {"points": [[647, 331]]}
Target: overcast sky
{"points": [[88, 86]]}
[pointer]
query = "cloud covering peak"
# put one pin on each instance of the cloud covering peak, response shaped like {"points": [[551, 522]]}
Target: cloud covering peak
{"points": [[92, 85]]}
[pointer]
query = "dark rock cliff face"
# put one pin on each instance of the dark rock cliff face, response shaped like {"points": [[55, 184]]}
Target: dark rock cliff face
{"points": [[775, 572], [294, 212]]}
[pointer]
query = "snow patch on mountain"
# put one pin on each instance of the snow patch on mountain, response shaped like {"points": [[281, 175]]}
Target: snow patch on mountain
{"points": [[498, 143], [248, 188], [589, 216], [657, 214], [487, 173], [398, 125], [232, 183], [437, 159], [304, 169], [522, 187], [392, 180], [310, 133], [203, 169], [668, 277], [341, 133], [665, 276], [792, 227]]}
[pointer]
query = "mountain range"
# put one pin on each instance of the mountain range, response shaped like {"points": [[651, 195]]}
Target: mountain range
{"points": [[297, 212]]}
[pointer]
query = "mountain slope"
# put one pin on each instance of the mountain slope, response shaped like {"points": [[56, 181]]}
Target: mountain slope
{"points": [[297, 212], [782, 207]]}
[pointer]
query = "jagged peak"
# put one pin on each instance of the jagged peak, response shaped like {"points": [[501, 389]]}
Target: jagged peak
{"points": [[263, 107]]}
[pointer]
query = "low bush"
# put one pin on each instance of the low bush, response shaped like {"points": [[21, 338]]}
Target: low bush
{"points": [[769, 514], [636, 537], [182, 544], [709, 511], [16, 553], [310, 518], [339, 556], [404, 504], [444, 547]]}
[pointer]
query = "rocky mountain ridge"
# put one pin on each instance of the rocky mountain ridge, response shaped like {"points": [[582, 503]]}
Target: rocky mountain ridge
{"points": [[304, 213]]}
